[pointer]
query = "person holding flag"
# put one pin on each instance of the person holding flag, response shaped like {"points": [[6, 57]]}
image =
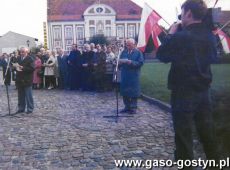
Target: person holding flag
{"points": [[190, 52]]}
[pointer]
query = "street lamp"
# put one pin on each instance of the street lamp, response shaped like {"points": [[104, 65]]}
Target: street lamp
{"points": [[28, 43]]}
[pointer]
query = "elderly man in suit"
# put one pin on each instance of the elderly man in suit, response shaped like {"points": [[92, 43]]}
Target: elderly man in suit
{"points": [[24, 80], [63, 69], [131, 60]]}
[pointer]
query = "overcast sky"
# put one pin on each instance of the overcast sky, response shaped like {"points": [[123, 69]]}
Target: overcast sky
{"points": [[27, 16]]}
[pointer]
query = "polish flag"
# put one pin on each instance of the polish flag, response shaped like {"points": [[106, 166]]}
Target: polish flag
{"points": [[149, 27], [224, 39]]}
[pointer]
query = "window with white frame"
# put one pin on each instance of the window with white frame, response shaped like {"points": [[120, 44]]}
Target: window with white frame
{"points": [[80, 42], [68, 32], [131, 31], [80, 33], [68, 48], [108, 32], [108, 22], [92, 31], [69, 42], [120, 31], [57, 44], [57, 33], [91, 22], [100, 27]]}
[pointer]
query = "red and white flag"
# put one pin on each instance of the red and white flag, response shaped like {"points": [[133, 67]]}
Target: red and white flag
{"points": [[149, 27], [224, 39]]}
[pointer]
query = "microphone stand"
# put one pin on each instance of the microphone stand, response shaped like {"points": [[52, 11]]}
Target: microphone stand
{"points": [[7, 90], [117, 92]]}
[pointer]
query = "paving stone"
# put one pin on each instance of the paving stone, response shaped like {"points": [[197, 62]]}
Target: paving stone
{"points": [[67, 130]]}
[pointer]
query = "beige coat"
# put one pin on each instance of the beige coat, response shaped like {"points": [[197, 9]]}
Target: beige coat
{"points": [[49, 66]]}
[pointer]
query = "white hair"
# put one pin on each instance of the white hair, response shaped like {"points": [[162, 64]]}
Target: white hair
{"points": [[92, 44], [131, 40], [86, 45], [24, 49]]}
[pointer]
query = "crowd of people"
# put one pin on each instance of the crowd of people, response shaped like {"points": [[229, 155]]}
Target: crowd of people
{"points": [[89, 69], [189, 47]]}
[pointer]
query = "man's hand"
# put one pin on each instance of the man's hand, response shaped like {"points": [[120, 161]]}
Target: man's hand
{"points": [[174, 28], [123, 61], [19, 68]]}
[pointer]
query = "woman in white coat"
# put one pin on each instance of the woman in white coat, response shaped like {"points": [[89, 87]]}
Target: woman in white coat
{"points": [[49, 70]]}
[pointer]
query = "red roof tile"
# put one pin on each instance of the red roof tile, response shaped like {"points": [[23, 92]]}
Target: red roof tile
{"points": [[70, 10]]}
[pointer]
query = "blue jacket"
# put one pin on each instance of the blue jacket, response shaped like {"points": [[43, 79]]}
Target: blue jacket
{"points": [[130, 74], [3, 63], [62, 64]]}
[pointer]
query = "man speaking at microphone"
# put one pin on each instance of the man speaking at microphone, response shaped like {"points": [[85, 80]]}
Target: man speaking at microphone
{"points": [[131, 60], [190, 52], [24, 80]]}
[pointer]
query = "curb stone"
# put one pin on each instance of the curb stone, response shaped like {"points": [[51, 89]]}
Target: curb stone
{"points": [[162, 105]]}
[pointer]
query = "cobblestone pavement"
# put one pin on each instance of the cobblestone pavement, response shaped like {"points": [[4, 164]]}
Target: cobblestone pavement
{"points": [[67, 131]]}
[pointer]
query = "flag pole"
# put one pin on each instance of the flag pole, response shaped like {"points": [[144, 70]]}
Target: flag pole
{"points": [[228, 22], [158, 14], [215, 3]]}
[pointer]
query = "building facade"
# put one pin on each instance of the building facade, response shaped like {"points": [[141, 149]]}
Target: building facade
{"points": [[76, 21]]}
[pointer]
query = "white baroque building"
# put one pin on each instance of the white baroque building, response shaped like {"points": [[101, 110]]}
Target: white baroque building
{"points": [[76, 21]]}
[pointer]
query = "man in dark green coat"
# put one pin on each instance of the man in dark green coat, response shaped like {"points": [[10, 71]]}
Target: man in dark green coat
{"points": [[190, 51], [131, 60]]}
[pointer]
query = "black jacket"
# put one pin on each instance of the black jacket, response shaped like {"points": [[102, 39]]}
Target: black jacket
{"points": [[190, 52], [73, 59], [87, 58], [25, 77]]}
